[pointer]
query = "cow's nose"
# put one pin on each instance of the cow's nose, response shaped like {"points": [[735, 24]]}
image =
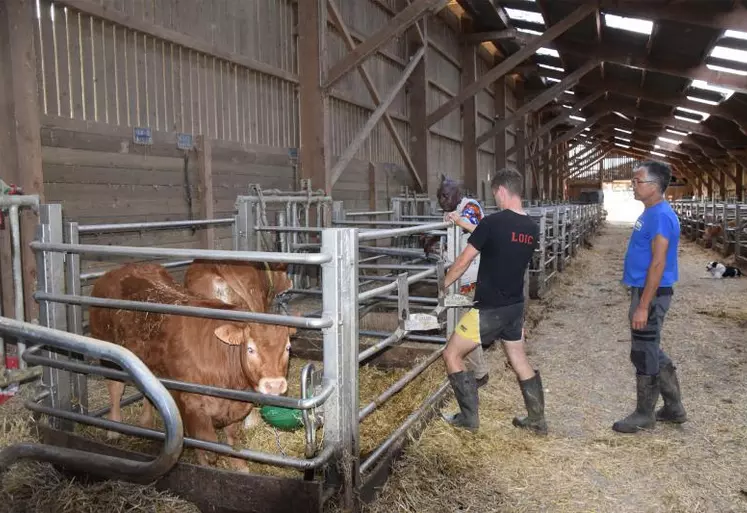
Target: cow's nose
{"points": [[273, 386]]}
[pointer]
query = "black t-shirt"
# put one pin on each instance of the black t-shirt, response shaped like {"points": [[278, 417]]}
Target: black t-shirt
{"points": [[506, 242]]}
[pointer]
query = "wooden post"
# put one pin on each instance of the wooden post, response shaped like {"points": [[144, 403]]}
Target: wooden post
{"points": [[20, 138], [521, 160], [418, 97], [739, 172], [722, 184], [709, 187], [547, 169], [469, 113], [313, 109], [500, 113], [205, 186]]}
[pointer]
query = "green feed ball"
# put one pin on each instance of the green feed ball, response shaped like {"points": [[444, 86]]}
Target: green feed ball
{"points": [[288, 419]]}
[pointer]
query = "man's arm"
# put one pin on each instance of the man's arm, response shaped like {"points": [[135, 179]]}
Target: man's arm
{"points": [[462, 263], [659, 248]]}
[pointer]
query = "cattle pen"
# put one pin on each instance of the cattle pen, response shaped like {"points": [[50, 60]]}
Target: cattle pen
{"points": [[309, 138]]}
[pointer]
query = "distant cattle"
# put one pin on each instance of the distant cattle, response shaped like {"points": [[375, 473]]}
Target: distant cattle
{"points": [[250, 286], [234, 355], [716, 230]]}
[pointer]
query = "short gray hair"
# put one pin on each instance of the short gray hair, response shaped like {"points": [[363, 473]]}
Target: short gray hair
{"points": [[657, 171]]}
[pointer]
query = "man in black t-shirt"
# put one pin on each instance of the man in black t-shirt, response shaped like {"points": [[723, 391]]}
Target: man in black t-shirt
{"points": [[506, 242]]}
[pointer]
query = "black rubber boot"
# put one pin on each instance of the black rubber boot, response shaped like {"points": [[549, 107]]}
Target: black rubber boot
{"points": [[481, 382], [673, 410], [465, 390], [534, 400], [643, 417]]}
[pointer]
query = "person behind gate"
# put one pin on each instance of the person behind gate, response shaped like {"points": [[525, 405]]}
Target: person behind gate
{"points": [[650, 270], [467, 213], [506, 242]]}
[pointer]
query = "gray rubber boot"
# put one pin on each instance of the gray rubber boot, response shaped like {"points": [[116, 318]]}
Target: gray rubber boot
{"points": [[534, 400], [673, 410], [465, 390], [647, 392]]}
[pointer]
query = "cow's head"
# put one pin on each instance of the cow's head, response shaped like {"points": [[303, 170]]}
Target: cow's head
{"points": [[265, 350]]}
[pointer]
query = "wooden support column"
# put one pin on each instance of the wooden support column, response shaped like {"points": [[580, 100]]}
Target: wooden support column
{"points": [[207, 208], [314, 103], [709, 186], [500, 113], [20, 138], [739, 173], [722, 184], [521, 160], [469, 113], [418, 98], [547, 170]]}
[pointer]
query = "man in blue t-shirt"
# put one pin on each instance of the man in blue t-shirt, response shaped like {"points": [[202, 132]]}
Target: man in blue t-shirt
{"points": [[651, 271]]}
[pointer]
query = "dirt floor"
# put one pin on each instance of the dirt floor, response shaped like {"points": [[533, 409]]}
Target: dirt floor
{"points": [[581, 346]]}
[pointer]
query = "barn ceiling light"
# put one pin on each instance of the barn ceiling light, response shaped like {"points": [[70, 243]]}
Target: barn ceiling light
{"points": [[552, 79], [729, 54], [677, 132], [554, 68], [617, 137], [689, 120], [702, 84], [703, 115], [548, 51], [528, 16], [637, 25], [577, 118], [587, 129], [623, 130], [652, 152], [568, 91], [701, 100], [567, 106], [736, 34], [529, 31], [725, 69], [622, 145], [668, 140]]}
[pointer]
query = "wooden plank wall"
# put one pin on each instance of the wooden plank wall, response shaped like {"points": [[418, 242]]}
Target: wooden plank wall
{"points": [[226, 70]]}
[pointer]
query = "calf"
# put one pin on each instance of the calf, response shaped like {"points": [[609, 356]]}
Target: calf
{"points": [[234, 355]]}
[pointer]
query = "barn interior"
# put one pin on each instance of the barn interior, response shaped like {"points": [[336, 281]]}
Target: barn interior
{"points": [[315, 133]]}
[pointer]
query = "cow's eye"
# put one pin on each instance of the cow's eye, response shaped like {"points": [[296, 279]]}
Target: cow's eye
{"points": [[250, 350], [288, 348]]}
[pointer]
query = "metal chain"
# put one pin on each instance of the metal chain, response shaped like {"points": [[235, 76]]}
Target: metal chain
{"points": [[277, 441]]}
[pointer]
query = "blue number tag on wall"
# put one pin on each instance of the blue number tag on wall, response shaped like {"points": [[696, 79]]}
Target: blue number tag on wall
{"points": [[184, 141], [142, 135]]}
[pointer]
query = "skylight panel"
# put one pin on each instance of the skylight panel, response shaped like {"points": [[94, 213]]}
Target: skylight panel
{"points": [[658, 154], [622, 145], [528, 16], [567, 106], [714, 67], [587, 129], [548, 51], [577, 118], [730, 54], [554, 68], [701, 100], [618, 138], [568, 91], [736, 34], [677, 132], [703, 115], [637, 25], [529, 31], [552, 79], [702, 84], [689, 120], [623, 130], [668, 140]]}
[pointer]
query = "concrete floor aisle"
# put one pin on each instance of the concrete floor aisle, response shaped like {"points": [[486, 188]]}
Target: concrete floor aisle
{"points": [[581, 346]]}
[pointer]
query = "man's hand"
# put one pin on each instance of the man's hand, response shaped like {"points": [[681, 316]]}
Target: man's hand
{"points": [[640, 318], [452, 216]]}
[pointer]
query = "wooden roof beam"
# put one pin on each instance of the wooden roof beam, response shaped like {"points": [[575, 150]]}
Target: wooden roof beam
{"points": [[511, 62]]}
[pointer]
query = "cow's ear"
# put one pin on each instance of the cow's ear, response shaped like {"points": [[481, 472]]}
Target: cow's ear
{"points": [[292, 331], [230, 334]]}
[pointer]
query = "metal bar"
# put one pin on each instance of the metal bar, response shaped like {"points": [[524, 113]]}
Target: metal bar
{"points": [[340, 353], [392, 339], [397, 252], [414, 278], [190, 311], [377, 223], [158, 225], [289, 229], [207, 254], [395, 232], [29, 200], [98, 274], [400, 384], [75, 314], [286, 197], [249, 396], [136, 371], [277, 460], [18, 292], [123, 403], [364, 132], [395, 267], [372, 213], [368, 463], [408, 336]]}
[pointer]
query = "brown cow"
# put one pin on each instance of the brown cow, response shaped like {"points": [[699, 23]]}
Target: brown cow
{"points": [[713, 232], [240, 356], [247, 285]]}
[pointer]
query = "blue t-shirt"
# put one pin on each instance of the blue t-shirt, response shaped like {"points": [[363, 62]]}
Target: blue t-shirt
{"points": [[657, 220]]}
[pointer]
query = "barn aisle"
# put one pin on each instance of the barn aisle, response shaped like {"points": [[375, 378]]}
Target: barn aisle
{"points": [[581, 346]]}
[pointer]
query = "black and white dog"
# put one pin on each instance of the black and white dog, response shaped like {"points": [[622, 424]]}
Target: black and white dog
{"points": [[719, 270]]}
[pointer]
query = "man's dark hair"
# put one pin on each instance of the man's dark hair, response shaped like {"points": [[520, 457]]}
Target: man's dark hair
{"points": [[510, 179], [660, 172]]}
